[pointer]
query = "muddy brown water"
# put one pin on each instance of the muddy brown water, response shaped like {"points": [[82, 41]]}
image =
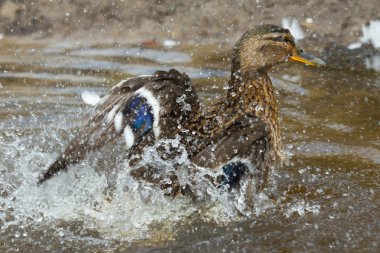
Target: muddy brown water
{"points": [[325, 199]]}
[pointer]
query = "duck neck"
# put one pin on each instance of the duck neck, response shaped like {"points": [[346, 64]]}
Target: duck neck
{"points": [[252, 93]]}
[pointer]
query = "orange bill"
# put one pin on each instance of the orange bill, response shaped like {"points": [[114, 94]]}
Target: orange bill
{"points": [[307, 59]]}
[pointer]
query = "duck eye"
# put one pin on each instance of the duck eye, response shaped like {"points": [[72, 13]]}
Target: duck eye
{"points": [[283, 39], [279, 38]]}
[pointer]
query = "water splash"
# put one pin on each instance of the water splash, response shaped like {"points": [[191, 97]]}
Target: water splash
{"points": [[129, 211]]}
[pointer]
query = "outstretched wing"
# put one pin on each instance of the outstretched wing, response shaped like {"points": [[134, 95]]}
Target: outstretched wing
{"points": [[141, 108]]}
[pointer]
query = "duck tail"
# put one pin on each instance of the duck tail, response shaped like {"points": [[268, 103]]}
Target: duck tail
{"points": [[59, 165], [75, 152]]}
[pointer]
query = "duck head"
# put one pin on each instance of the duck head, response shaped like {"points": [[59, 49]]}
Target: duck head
{"points": [[265, 46]]}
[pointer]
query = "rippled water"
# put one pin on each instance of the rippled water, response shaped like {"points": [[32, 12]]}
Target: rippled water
{"points": [[326, 198]]}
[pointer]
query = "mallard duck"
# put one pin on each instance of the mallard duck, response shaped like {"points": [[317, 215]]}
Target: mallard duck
{"points": [[141, 109], [239, 135]]}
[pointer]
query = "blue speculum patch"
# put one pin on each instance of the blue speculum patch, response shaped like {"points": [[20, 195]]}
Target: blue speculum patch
{"points": [[143, 117], [233, 172]]}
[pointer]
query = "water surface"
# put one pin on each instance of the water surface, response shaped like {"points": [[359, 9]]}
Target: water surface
{"points": [[325, 199]]}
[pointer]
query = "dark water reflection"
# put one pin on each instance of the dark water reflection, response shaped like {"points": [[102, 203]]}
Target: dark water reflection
{"points": [[325, 199]]}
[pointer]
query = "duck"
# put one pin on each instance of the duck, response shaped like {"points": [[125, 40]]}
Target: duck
{"points": [[237, 138]]}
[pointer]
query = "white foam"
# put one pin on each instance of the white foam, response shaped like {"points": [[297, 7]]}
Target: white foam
{"points": [[90, 98], [302, 207], [170, 43], [129, 136]]}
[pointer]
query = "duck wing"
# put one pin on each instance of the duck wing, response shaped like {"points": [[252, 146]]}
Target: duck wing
{"points": [[240, 139], [238, 150], [141, 109]]}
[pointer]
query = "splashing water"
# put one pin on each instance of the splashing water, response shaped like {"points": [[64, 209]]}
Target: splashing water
{"points": [[81, 194], [98, 194]]}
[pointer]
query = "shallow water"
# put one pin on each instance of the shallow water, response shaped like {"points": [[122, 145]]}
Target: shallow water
{"points": [[325, 199]]}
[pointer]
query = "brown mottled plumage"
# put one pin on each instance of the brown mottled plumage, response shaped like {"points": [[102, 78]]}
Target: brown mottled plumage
{"points": [[167, 86], [249, 108], [238, 134]]}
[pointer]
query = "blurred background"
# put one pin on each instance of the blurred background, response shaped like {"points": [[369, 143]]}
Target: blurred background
{"points": [[328, 23]]}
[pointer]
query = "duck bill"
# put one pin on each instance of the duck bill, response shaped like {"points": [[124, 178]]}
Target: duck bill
{"points": [[307, 59]]}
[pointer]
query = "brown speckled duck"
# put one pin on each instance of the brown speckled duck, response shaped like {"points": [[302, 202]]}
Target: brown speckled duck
{"points": [[238, 136]]}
